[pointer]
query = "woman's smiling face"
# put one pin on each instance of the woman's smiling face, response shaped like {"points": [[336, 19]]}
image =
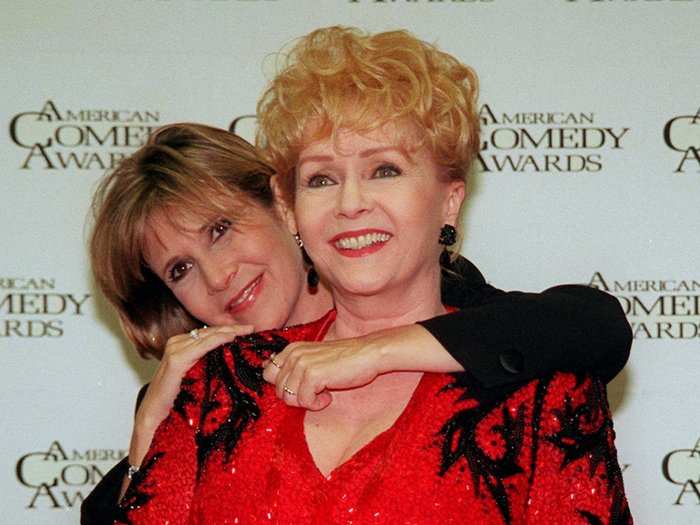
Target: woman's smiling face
{"points": [[228, 273], [370, 212]]}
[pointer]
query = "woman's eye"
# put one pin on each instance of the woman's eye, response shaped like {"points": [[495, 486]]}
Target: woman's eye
{"points": [[219, 228], [178, 270], [386, 170], [319, 181]]}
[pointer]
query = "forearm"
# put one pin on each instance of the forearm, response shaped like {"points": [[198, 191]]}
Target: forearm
{"points": [[513, 337], [162, 489], [141, 439], [101, 504], [409, 348]]}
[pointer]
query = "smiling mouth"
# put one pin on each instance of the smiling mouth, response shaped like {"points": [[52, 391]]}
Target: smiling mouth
{"points": [[360, 243], [245, 297]]}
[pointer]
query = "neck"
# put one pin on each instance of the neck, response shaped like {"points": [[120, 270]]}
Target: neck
{"points": [[310, 306], [397, 306]]}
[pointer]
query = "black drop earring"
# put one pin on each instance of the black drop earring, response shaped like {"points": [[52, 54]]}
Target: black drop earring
{"points": [[311, 274], [448, 236]]}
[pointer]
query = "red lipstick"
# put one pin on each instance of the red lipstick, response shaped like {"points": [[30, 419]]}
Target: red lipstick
{"points": [[246, 296], [358, 243]]}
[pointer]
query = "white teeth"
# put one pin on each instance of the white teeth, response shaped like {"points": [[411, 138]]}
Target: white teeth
{"points": [[362, 241], [246, 293]]}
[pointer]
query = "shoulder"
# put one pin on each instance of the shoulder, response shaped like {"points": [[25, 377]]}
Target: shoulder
{"points": [[463, 285], [560, 402]]}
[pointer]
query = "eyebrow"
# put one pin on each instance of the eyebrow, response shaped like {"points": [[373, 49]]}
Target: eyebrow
{"points": [[373, 151], [164, 270], [169, 262], [363, 154]]}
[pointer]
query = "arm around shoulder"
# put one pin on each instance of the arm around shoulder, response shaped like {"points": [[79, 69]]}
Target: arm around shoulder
{"points": [[504, 338]]}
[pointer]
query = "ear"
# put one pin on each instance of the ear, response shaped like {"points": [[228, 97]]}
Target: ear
{"points": [[282, 206], [453, 203]]}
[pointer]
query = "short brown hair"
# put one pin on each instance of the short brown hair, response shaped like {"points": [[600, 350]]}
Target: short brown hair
{"points": [[340, 77], [183, 168]]}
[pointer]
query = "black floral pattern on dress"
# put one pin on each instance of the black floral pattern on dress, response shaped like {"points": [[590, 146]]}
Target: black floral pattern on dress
{"points": [[587, 431], [619, 512], [247, 354], [460, 441]]}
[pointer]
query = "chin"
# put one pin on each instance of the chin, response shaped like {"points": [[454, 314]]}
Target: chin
{"points": [[373, 285], [269, 320]]}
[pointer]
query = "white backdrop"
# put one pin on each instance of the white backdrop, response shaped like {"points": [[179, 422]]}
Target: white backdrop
{"points": [[580, 184]]}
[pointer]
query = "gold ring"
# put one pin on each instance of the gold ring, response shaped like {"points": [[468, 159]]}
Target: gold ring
{"points": [[272, 360], [289, 391]]}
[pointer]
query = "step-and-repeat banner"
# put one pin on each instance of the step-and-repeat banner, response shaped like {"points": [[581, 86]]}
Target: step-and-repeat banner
{"points": [[590, 173]]}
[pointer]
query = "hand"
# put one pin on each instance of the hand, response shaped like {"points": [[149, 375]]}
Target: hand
{"points": [[312, 369], [181, 353]]}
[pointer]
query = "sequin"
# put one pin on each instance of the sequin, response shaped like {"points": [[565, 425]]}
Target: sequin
{"points": [[543, 453]]}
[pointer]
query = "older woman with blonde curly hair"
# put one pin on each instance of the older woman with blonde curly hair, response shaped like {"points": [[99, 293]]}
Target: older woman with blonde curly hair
{"points": [[372, 137]]}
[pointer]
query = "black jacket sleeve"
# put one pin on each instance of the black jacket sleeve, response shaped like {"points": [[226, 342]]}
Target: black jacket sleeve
{"points": [[503, 338], [100, 507]]}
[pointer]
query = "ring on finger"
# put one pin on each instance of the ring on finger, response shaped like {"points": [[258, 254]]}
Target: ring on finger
{"points": [[272, 360], [194, 333], [289, 390]]}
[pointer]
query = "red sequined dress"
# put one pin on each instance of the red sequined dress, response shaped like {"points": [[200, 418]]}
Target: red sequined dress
{"points": [[231, 452]]}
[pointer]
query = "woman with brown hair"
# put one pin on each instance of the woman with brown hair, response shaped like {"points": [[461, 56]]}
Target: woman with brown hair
{"points": [[372, 136], [192, 173]]}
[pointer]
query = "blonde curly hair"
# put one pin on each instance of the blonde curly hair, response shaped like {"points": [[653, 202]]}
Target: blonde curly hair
{"points": [[340, 77]]}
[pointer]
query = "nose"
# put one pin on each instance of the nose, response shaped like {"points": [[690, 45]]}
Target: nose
{"points": [[353, 199], [217, 276]]}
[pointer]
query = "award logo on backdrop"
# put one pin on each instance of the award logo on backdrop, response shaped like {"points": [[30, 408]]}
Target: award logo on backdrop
{"points": [[546, 142], [34, 307], [682, 468], [682, 134], [626, 1], [57, 138], [420, 1], [60, 478], [657, 309]]}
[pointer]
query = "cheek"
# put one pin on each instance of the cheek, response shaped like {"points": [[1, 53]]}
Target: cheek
{"points": [[311, 218], [419, 211], [192, 299], [282, 253]]}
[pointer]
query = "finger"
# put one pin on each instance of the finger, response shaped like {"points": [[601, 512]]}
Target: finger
{"points": [[280, 382], [311, 393], [282, 356], [232, 330], [284, 375], [307, 388], [221, 334], [305, 379], [185, 353], [322, 400], [290, 396], [240, 329], [213, 339], [270, 370], [287, 365]]}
